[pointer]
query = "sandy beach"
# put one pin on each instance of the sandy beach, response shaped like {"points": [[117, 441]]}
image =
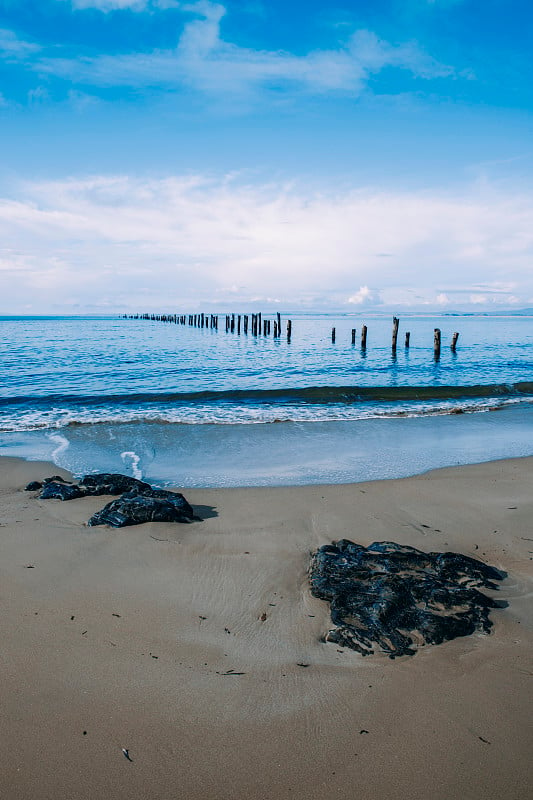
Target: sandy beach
{"points": [[154, 638]]}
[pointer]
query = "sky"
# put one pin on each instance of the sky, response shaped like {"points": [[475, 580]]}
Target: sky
{"points": [[353, 155]]}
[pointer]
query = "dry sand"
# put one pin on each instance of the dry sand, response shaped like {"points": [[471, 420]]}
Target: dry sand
{"points": [[124, 638]]}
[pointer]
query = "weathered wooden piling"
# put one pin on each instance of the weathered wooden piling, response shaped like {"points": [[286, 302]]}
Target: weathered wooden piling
{"points": [[239, 324], [245, 323], [333, 335], [436, 343], [363, 337], [289, 330], [453, 345], [353, 335], [278, 318], [395, 324], [407, 338]]}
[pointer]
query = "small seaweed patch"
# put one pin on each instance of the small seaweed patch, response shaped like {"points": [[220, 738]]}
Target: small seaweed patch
{"points": [[394, 597]]}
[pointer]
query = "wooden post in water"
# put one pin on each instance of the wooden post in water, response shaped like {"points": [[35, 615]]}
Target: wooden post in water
{"points": [[333, 335], [363, 337], [278, 315], [395, 323], [436, 343], [453, 345], [289, 329], [407, 338], [353, 335], [245, 321]]}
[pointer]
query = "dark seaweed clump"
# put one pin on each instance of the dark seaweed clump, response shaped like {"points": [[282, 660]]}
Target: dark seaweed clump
{"points": [[394, 597], [138, 502]]}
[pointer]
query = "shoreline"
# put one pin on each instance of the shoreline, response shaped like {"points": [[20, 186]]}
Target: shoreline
{"points": [[131, 635], [281, 454]]}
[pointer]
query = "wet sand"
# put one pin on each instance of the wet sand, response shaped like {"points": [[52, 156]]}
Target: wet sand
{"points": [[135, 638]]}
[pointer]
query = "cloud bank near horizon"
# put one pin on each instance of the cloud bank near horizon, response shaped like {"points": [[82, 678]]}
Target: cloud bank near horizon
{"points": [[122, 243]]}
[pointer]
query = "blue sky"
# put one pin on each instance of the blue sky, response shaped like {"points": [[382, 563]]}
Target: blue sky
{"points": [[345, 155]]}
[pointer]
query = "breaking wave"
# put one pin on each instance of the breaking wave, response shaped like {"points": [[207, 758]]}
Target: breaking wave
{"points": [[231, 407]]}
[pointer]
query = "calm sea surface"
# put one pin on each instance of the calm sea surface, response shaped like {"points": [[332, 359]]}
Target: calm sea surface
{"points": [[134, 395]]}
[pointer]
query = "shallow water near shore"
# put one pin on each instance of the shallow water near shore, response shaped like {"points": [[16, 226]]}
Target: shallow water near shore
{"points": [[190, 405], [281, 454]]}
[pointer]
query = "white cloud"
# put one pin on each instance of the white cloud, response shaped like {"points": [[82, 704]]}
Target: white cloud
{"points": [[364, 296], [111, 5], [204, 61], [444, 3], [123, 5], [13, 47], [80, 101], [38, 95], [183, 240]]}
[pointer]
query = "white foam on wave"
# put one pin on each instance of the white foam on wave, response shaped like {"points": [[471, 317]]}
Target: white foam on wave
{"points": [[135, 461], [240, 414], [62, 445]]}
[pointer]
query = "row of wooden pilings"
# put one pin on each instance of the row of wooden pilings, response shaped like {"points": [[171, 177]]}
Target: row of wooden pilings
{"points": [[257, 325], [437, 338]]}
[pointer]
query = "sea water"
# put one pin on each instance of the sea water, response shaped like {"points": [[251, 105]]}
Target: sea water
{"points": [[178, 404]]}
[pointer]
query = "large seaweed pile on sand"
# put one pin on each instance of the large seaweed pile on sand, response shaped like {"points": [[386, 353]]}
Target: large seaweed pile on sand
{"points": [[396, 597]]}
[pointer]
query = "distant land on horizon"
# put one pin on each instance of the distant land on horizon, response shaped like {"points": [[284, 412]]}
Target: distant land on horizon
{"points": [[517, 312]]}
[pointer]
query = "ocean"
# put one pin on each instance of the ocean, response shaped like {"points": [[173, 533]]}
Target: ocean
{"points": [[190, 406]]}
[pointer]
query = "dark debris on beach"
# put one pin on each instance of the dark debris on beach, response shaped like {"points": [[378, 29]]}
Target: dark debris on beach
{"points": [[393, 597], [138, 501]]}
